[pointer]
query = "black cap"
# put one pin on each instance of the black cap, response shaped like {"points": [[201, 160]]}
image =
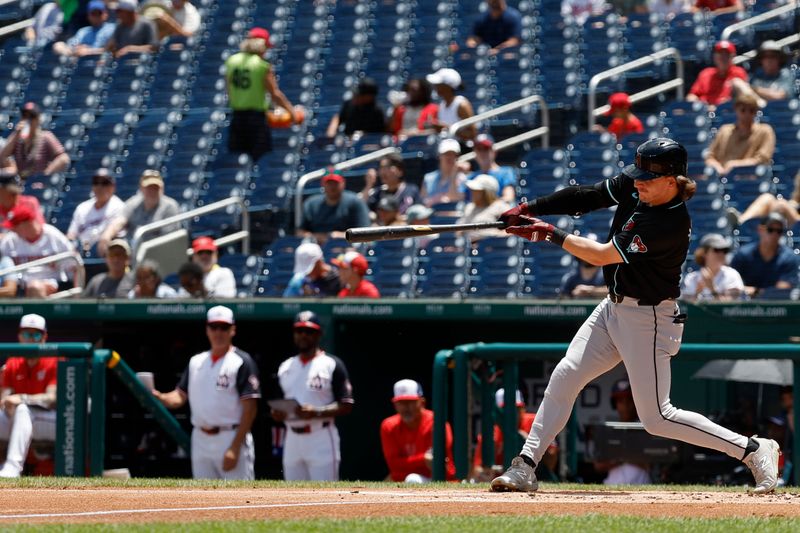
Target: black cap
{"points": [[307, 319], [104, 173], [774, 218], [31, 108], [367, 86], [658, 157]]}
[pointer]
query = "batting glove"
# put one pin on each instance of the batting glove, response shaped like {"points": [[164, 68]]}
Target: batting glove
{"points": [[538, 230], [514, 216]]}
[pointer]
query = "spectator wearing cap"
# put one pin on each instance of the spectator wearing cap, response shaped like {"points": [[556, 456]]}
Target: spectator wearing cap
{"points": [[28, 388], [35, 150], [407, 437], [180, 18], [11, 196], [446, 184], [312, 276], [30, 239], [499, 27], [743, 143], [330, 214], [719, 7], [580, 10], [417, 114], [117, 281], [623, 121], [388, 213], [391, 170], [352, 269], [766, 203], [714, 84], [190, 277], [91, 39], [419, 214], [133, 34], [150, 282], [772, 80], [453, 107], [714, 279], [485, 156], [248, 79], [667, 9], [484, 206], [47, 25], [222, 387], [766, 263], [585, 280], [148, 205], [360, 113], [92, 217], [219, 281], [482, 472]]}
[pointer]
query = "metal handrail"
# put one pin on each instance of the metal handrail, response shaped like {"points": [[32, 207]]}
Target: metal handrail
{"points": [[747, 56], [11, 29], [80, 271], [742, 24], [317, 174], [180, 217], [511, 141], [676, 83], [543, 131]]}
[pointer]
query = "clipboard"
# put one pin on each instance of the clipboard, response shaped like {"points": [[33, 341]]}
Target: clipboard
{"points": [[287, 405]]}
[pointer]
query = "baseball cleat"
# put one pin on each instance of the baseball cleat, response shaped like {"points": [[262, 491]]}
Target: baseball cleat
{"points": [[518, 478], [763, 463]]}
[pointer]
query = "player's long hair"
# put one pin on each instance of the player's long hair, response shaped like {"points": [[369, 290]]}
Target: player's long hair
{"points": [[686, 187]]}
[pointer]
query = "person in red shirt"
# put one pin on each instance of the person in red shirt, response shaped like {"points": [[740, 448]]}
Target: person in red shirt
{"points": [[407, 437], [352, 269], [27, 398], [10, 197], [623, 121], [719, 7], [714, 84]]}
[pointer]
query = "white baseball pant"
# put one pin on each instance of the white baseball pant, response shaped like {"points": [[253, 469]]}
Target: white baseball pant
{"points": [[312, 456], [26, 424], [209, 450], [644, 338]]}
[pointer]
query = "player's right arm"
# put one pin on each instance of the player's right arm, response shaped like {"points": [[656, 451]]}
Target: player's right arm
{"points": [[174, 399], [574, 200]]}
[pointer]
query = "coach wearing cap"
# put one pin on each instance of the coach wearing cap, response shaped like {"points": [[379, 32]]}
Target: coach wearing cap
{"points": [[222, 388], [92, 217], [713, 84], [330, 214]]}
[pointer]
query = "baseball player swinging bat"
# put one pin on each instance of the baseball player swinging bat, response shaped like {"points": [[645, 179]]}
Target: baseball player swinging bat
{"points": [[388, 233]]}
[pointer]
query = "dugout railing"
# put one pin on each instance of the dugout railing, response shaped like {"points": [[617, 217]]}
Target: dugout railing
{"points": [[455, 365]]}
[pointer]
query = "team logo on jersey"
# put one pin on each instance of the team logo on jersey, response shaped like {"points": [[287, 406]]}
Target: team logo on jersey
{"points": [[316, 383], [629, 225], [223, 381], [637, 246]]}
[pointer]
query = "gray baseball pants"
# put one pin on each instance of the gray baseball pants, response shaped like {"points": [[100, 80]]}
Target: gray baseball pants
{"points": [[644, 338]]}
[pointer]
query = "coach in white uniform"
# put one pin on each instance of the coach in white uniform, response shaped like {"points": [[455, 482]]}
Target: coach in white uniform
{"points": [[222, 388], [320, 384]]}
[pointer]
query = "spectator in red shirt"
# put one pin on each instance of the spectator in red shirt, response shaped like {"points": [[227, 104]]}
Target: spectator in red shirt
{"points": [[714, 84], [352, 269], [27, 398], [407, 437], [35, 151], [623, 121], [10, 197], [719, 7]]}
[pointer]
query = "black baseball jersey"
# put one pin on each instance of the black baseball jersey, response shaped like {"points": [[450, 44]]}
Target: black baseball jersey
{"points": [[652, 241]]}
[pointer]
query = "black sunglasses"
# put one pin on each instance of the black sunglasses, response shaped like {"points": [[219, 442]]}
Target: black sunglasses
{"points": [[774, 230], [219, 327]]}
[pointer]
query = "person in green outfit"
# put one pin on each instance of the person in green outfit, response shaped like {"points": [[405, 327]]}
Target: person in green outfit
{"points": [[248, 78]]}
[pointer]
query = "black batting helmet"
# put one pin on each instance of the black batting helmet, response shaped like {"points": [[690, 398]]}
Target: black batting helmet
{"points": [[658, 157]]}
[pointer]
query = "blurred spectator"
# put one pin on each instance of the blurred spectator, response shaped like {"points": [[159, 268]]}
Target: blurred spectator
{"points": [[8, 283], [391, 170], [10, 197], [180, 18], [29, 240], [7, 165], [219, 281], [667, 9], [766, 263], [766, 203], [92, 217], [35, 151], [92, 39], [148, 205], [249, 77], [352, 268], [418, 214], [312, 275], [772, 80], [714, 280], [330, 214], [485, 157], [629, 7], [190, 276], [584, 281], [149, 282], [580, 10], [46, 25], [417, 113], [484, 207], [133, 34], [623, 121], [388, 213], [499, 27], [118, 281], [714, 84], [719, 7], [744, 143], [447, 183], [453, 107], [407, 437], [360, 113]]}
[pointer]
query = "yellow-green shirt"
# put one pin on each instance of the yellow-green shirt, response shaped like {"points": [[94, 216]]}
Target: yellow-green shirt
{"points": [[245, 75]]}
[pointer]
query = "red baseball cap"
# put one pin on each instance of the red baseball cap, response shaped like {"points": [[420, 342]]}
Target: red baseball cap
{"points": [[260, 33], [202, 244], [618, 101], [407, 389], [19, 213], [333, 177], [725, 46], [353, 260], [484, 140]]}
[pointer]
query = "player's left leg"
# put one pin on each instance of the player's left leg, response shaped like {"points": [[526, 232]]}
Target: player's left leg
{"points": [[19, 440], [324, 464]]}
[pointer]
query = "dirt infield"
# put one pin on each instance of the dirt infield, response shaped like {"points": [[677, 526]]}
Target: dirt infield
{"points": [[112, 505]]}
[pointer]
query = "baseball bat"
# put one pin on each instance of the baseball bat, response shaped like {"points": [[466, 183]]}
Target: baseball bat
{"points": [[388, 233]]}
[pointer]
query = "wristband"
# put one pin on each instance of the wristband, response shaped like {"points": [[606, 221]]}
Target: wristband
{"points": [[558, 237]]}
